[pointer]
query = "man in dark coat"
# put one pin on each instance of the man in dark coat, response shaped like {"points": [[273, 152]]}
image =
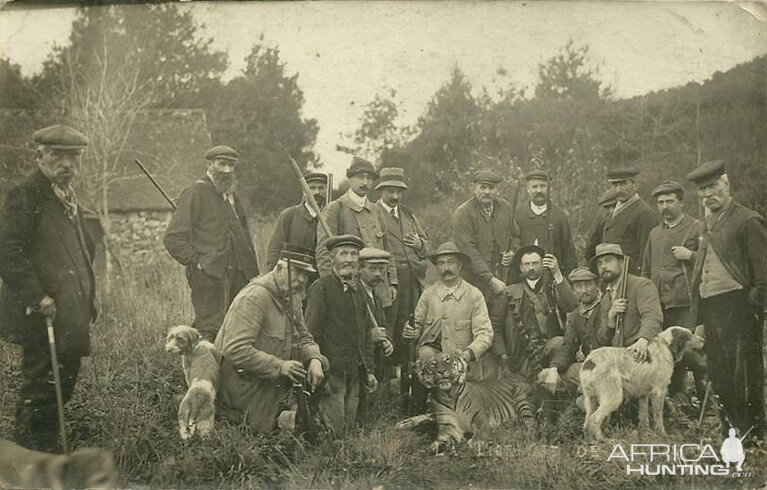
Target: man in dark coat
{"points": [[606, 204], [631, 220], [209, 235], [46, 267], [730, 287], [297, 224], [532, 219]]}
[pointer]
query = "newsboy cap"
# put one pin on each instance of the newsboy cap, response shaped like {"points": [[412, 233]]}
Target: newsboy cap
{"points": [[316, 177], [60, 137], [449, 248], [707, 172], [299, 256], [222, 152], [581, 274], [607, 249], [537, 175], [668, 187], [374, 255], [360, 165], [623, 173], [392, 177], [486, 177], [340, 240]]}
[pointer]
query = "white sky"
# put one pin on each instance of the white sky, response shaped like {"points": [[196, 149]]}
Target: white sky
{"points": [[347, 52]]}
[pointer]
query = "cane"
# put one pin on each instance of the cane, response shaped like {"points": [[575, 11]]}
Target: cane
{"points": [[57, 381]]}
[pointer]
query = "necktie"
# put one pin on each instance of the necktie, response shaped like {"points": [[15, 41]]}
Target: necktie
{"points": [[229, 197], [393, 212]]}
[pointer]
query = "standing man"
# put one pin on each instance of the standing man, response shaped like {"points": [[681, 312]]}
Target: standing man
{"points": [[668, 261], [46, 258], [606, 204], [631, 220], [557, 238], [451, 315], [297, 224], [482, 228], [730, 282], [354, 214], [208, 234], [338, 320]]}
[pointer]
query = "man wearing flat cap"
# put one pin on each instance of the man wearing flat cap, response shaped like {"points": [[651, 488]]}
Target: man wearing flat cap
{"points": [[265, 344], [209, 235], [354, 214], [46, 258], [482, 228], [298, 224], [631, 220], [337, 316], [606, 203], [730, 288], [547, 228], [668, 261]]}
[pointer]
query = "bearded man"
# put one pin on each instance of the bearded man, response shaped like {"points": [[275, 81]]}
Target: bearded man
{"points": [[209, 235]]}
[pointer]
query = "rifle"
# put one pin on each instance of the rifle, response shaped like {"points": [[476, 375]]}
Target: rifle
{"points": [[551, 293], [622, 294], [411, 354], [156, 184], [329, 193], [505, 270]]}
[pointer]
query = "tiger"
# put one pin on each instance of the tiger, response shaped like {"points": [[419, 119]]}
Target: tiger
{"points": [[467, 408]]}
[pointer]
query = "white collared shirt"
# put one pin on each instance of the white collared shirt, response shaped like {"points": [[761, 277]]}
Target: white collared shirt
{"points": [[389, 209], [538, 210], [675, 223], [532, 284], [358, 200]]}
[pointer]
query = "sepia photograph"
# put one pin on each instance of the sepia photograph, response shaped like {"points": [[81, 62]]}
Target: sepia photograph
{"points": [[383, 244]]}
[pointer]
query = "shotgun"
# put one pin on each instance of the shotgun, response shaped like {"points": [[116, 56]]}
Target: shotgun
{"points": [[622, 294], [156, 184], [505, 270]]}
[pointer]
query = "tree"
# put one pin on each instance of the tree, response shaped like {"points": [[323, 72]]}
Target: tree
{"points": [[568, 75]]}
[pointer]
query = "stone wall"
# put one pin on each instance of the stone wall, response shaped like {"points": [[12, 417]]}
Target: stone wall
{"points": [[137, 235]]}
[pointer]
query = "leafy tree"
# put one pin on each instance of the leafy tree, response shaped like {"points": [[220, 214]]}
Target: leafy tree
{"points": [[17, 91], [568, 74]]}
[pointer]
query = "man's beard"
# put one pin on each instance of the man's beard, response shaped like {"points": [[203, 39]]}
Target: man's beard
{"points": [[346, 271], [608, 276], [533, 274], [319, 199], [223, 182]]}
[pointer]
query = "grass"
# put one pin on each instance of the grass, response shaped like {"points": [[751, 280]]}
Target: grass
{"points": [[127, 397]]}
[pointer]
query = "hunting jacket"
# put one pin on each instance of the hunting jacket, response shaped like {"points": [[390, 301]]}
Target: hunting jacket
{"points": [[295, 226], [630, 228], [559, 242], [405, 257]]}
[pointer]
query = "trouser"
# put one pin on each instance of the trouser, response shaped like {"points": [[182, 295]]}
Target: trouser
{"points": [[735, 366], [524, 366], [338, 408], [692, 361], [408, 292], [211, 297], [36, 425]]}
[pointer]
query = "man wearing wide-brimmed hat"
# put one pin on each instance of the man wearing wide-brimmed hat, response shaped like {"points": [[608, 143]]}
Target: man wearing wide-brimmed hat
{"points": [[209, 235], [265, 344], [451, 315], [641, 310], [730, 287], [298, 224], [354, 214], [46, 258], [631, 220], [482, 228], [534, 217]]}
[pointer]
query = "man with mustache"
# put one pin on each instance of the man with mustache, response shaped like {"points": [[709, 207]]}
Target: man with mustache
{"points": [[526, 331], [336, 315], [667, 261], [298, 224], [533, 218], [606, 204], [265, 344], [641, 310], [481, 228], [46, 258], [730, 288], [451, 315], [631, 220], [354, 214], [209, 235]]}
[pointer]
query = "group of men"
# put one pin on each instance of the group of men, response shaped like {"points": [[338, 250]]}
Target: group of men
{"points": [[344, 305]]}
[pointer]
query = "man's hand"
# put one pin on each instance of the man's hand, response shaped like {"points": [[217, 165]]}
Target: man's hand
{"points": [[497, 286], [293, 370], [550, 379], [387, 347], [467, 355], [619, 305], [683, 254], [315, 374], [372, 383], [506, 258], [551, 263], [378, 334], [639, 350], [48, 306], [412, 240], [393, 292], [410, 332]]}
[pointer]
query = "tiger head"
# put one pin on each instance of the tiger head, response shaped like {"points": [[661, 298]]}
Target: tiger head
{"points": [[443, 371]]}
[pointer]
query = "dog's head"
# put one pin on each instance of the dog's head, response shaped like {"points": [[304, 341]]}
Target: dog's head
{"points": [[681, 340], [182, 339], [85, 468]]}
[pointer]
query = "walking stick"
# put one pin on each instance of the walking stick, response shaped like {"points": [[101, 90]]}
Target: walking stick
{"points": [[57, 382]]}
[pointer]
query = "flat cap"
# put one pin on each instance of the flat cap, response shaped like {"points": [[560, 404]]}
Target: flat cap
{"points": [[581, 274], [60, 137], [607, 249], [223, 152], [707, 172], [340, 240], [607, 198], [668, 187], [374, 255], [316, 177], [537, 175], [486, 177], [449, 248], [392, 177], [298, 256], [623, 173], [359, 166]]}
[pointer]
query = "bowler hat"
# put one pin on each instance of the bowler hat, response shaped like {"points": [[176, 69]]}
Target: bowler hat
{"points": [[623, 173], [392, 177], [668, 187], [60, 137], [340, 240], [299, 256], [359, 166], [707, 173], [580, 274], [222, 152], [374, 255], [607, 249], [449, 248], [486, 177]]}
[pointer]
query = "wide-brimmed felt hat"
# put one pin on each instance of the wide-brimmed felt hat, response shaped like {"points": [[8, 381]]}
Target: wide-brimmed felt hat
{"points": [[606, 249], [449, 248], [517, 259], [60, 137], [392, 177]]}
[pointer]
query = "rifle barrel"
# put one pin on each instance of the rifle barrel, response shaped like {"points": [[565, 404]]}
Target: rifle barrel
{"points": [[156, 184]]}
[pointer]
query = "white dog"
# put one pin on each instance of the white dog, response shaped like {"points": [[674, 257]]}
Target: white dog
{"points": [[610, 374], [200, 361]]}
